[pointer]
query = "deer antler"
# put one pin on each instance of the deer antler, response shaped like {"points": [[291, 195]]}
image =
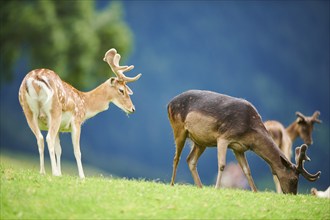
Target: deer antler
{"points": [[300, 158], [315, 117], [300, 115], [113, 58]]}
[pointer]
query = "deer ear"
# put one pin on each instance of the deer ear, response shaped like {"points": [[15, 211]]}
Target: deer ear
{"points": [[285, 162], [129, 91], [113, 81], [301, 120]]}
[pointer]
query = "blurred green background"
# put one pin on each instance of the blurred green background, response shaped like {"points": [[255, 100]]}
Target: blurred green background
{"points": [[274, 54]]}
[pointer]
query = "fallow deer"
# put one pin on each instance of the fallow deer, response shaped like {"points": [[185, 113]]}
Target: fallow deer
{"points": [[54, 105], [213, 119], [233, 177], [284, 137], [321, 194], [302, 127]]}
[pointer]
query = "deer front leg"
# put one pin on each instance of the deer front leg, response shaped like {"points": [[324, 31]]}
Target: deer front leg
{"points": [[75, 134], [192, 159], [180, 139], [246, 169], [222, 146]]}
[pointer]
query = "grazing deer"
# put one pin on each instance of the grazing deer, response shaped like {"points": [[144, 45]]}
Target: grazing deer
{"points": [[284, 137], [212, 119], [52, 104]]}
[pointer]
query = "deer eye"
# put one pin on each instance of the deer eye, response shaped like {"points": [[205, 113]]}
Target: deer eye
{"points": [[121, 91]]}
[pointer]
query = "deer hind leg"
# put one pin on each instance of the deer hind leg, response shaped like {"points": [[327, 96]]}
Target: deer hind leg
{"points": [[58, 152], [277, 184], [222, 146], [246, 169], [180, 136], [32, 120], [192, 159], [54, 122], [75, 134], [287, 150]]}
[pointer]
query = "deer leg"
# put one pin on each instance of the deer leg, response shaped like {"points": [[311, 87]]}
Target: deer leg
{"points": [[75, 134], [192, 159], [277, 184], [32, 120], [41, 148], [222, 146], [54, 122], [246, 169], [58, 152], [180, 139], [288, 150]]}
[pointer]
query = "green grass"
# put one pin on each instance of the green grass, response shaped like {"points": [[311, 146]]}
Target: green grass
{"points": [[25, 194], [19, 160]]}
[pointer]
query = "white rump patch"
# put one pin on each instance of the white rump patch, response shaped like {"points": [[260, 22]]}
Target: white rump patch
{"points": [[39, 102]]}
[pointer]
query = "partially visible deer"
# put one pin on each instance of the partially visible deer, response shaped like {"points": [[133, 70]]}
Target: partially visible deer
{"points": [[302, 127], [321, 194], [213, 119], [52, 104], [284, 137], [233, 177]]}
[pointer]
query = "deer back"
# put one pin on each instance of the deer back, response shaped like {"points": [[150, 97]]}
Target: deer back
{"points": [[233, 115]]}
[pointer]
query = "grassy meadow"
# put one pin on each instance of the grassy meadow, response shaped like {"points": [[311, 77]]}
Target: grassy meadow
{"points": [[25, 194]]}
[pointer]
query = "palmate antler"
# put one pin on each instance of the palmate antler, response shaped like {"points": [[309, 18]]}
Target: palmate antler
{"points": [[113, 58], [300, 158], [313, 118]]}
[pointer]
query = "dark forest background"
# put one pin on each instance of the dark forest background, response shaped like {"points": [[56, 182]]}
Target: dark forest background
{"points": [[275, 54]]}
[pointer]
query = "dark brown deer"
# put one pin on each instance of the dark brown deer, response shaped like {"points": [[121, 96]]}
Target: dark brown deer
{"points": [[284, 137], [212, 119]]}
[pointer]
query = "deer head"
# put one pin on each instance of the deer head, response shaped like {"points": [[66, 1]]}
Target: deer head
{"points": [[306, 125], [122, 99], [298, 168]]}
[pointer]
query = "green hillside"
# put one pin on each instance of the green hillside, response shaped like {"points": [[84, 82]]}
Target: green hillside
{"points": [[31, 161], [25, 194]]}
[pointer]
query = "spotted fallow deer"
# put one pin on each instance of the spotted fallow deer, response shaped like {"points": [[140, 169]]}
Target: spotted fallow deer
{"points": [[284, 137], [53, 105], [213, 119]]}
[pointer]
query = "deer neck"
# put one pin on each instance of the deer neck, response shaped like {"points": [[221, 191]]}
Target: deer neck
{"points": [[292, 131], [268, 151], [97, 100]]}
